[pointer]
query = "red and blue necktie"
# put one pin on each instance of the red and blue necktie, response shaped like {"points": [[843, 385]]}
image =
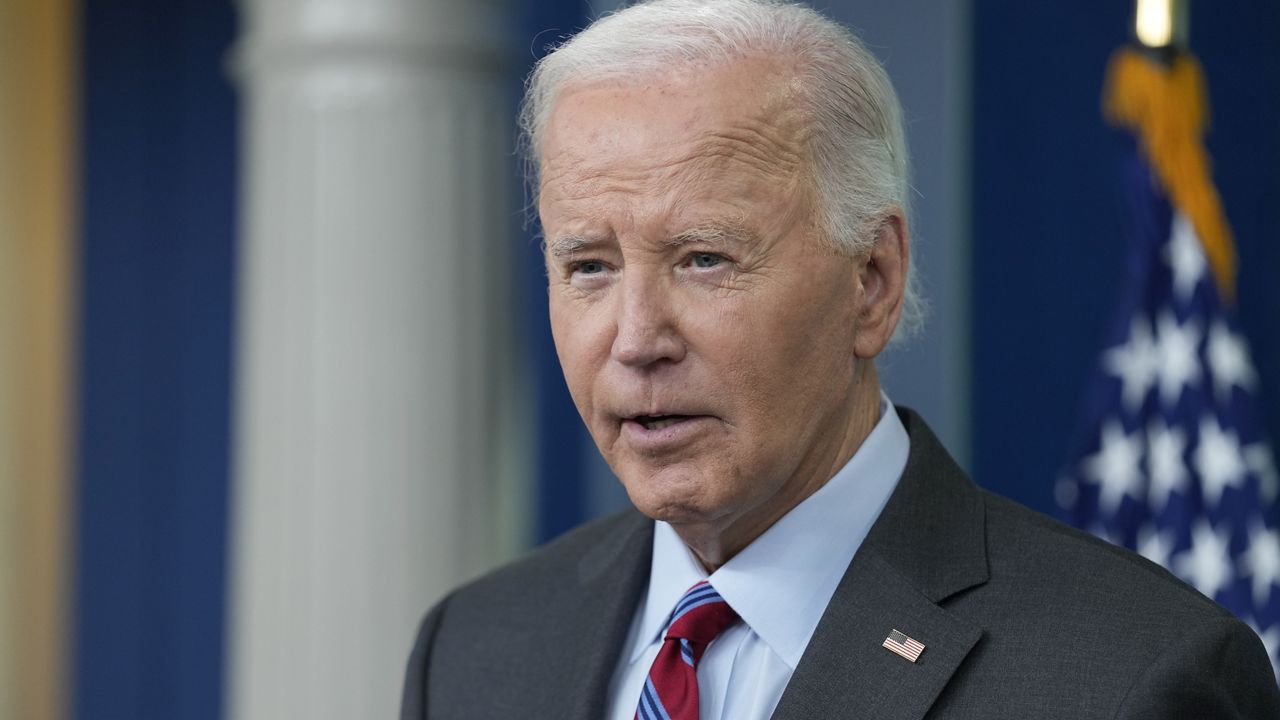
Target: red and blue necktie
{"points": [[671, 690]]}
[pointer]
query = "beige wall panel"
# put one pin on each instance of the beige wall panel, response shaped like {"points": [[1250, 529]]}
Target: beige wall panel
{"points": [[37, 219]]}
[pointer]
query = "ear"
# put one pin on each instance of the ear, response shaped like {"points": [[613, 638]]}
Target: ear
{"points": [[882, 277]]}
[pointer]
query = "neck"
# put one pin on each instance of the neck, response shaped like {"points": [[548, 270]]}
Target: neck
{"points": [[716, 544]]}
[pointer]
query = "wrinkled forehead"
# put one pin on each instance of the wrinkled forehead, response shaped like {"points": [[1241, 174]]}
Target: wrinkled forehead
{"points": [[749, 108]]}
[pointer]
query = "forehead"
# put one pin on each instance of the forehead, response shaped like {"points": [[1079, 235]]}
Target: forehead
{"points": [[738, 117]]}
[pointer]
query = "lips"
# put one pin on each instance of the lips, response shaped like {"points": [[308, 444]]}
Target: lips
{"points": [[664, 432], [657, 422]]}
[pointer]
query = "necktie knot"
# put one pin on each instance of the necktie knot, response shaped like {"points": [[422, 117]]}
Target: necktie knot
{"points": [[671, 690], [700, 616]]}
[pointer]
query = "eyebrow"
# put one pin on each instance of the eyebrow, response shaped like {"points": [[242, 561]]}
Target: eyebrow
{"points": [[720, 232], [566, 245]]}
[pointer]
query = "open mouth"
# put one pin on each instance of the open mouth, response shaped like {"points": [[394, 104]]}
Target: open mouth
{"points": [[657, 422]]}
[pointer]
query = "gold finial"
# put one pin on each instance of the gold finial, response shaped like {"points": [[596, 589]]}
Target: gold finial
{"points": [[1161, 23]]}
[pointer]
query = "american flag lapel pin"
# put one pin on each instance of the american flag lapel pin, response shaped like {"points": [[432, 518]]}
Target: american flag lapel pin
{"points": [[899, 643]]}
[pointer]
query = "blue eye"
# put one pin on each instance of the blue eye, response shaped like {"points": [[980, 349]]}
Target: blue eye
{"points": [[705, 260], [589, 267]]}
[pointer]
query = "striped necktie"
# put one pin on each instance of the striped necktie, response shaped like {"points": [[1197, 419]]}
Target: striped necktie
{"points": [[671, 690]]}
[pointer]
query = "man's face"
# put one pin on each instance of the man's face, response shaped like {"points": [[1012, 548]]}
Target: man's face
{"points": [[707, 334]]}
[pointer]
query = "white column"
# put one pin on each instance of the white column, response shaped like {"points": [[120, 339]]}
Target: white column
{"points": [[374, 367]]}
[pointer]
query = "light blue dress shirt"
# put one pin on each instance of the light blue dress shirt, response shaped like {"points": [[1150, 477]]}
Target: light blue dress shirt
{"points": [[779, 585]]}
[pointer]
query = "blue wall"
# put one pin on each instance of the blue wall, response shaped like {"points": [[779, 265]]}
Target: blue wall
{"points": [[157, 196], [564, 470]]}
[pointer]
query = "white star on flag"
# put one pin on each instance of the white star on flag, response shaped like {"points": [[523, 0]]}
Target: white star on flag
{"points": [[1115, 466], [1258, 458], [1178, 365], [1135, 363], [1154, 545], [1218, 460], [1207, 565], [1185, 257], [1261, 560], [1229, 364], [1168, 470]]}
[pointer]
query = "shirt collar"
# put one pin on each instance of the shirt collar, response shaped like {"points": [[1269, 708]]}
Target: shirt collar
{"points": [[782, 582]]}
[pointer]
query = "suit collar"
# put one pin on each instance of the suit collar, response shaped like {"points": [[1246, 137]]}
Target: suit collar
{"points": [[611, 578], [933, 530], [927, 545]]}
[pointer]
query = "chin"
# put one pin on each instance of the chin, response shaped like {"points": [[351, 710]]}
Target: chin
{"points": [[678, 496]]}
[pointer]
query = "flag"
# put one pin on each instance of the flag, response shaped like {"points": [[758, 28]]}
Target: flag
{"points": [[1172, 460], [901, 644]]}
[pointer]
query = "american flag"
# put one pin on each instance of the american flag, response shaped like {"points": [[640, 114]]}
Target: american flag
{"points": [[901, 644], [1172, 460]]}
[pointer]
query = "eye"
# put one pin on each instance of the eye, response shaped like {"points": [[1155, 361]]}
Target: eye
{"points": [[587, 267], [705, 260]]}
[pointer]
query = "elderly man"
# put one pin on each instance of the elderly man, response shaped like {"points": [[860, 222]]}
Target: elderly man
{"points": [[723, 190]]}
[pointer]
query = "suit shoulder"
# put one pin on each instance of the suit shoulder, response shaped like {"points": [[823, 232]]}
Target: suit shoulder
{"points": [[556, 566], [1037, 550], [511, 625], [1104, 631]]}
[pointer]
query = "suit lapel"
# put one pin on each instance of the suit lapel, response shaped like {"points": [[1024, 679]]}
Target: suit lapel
{"points": [[927, 545], [612, 578], [846, 673]]}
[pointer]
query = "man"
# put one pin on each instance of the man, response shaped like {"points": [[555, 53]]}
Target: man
{"points": [[723, 190]]}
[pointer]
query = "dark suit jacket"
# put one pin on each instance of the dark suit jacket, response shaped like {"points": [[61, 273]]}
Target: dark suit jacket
{"points": [[1021, 616]]}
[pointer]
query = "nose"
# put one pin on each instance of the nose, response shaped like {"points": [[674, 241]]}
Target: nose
{"points": [[646, 323]]}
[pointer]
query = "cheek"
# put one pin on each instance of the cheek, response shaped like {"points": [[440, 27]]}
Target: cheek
{"points": [[780, 341], [566, 334], [788, 363], [582, 344]]}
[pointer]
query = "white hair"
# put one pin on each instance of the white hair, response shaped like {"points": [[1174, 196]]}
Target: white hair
{"points": [[857, 144]]}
